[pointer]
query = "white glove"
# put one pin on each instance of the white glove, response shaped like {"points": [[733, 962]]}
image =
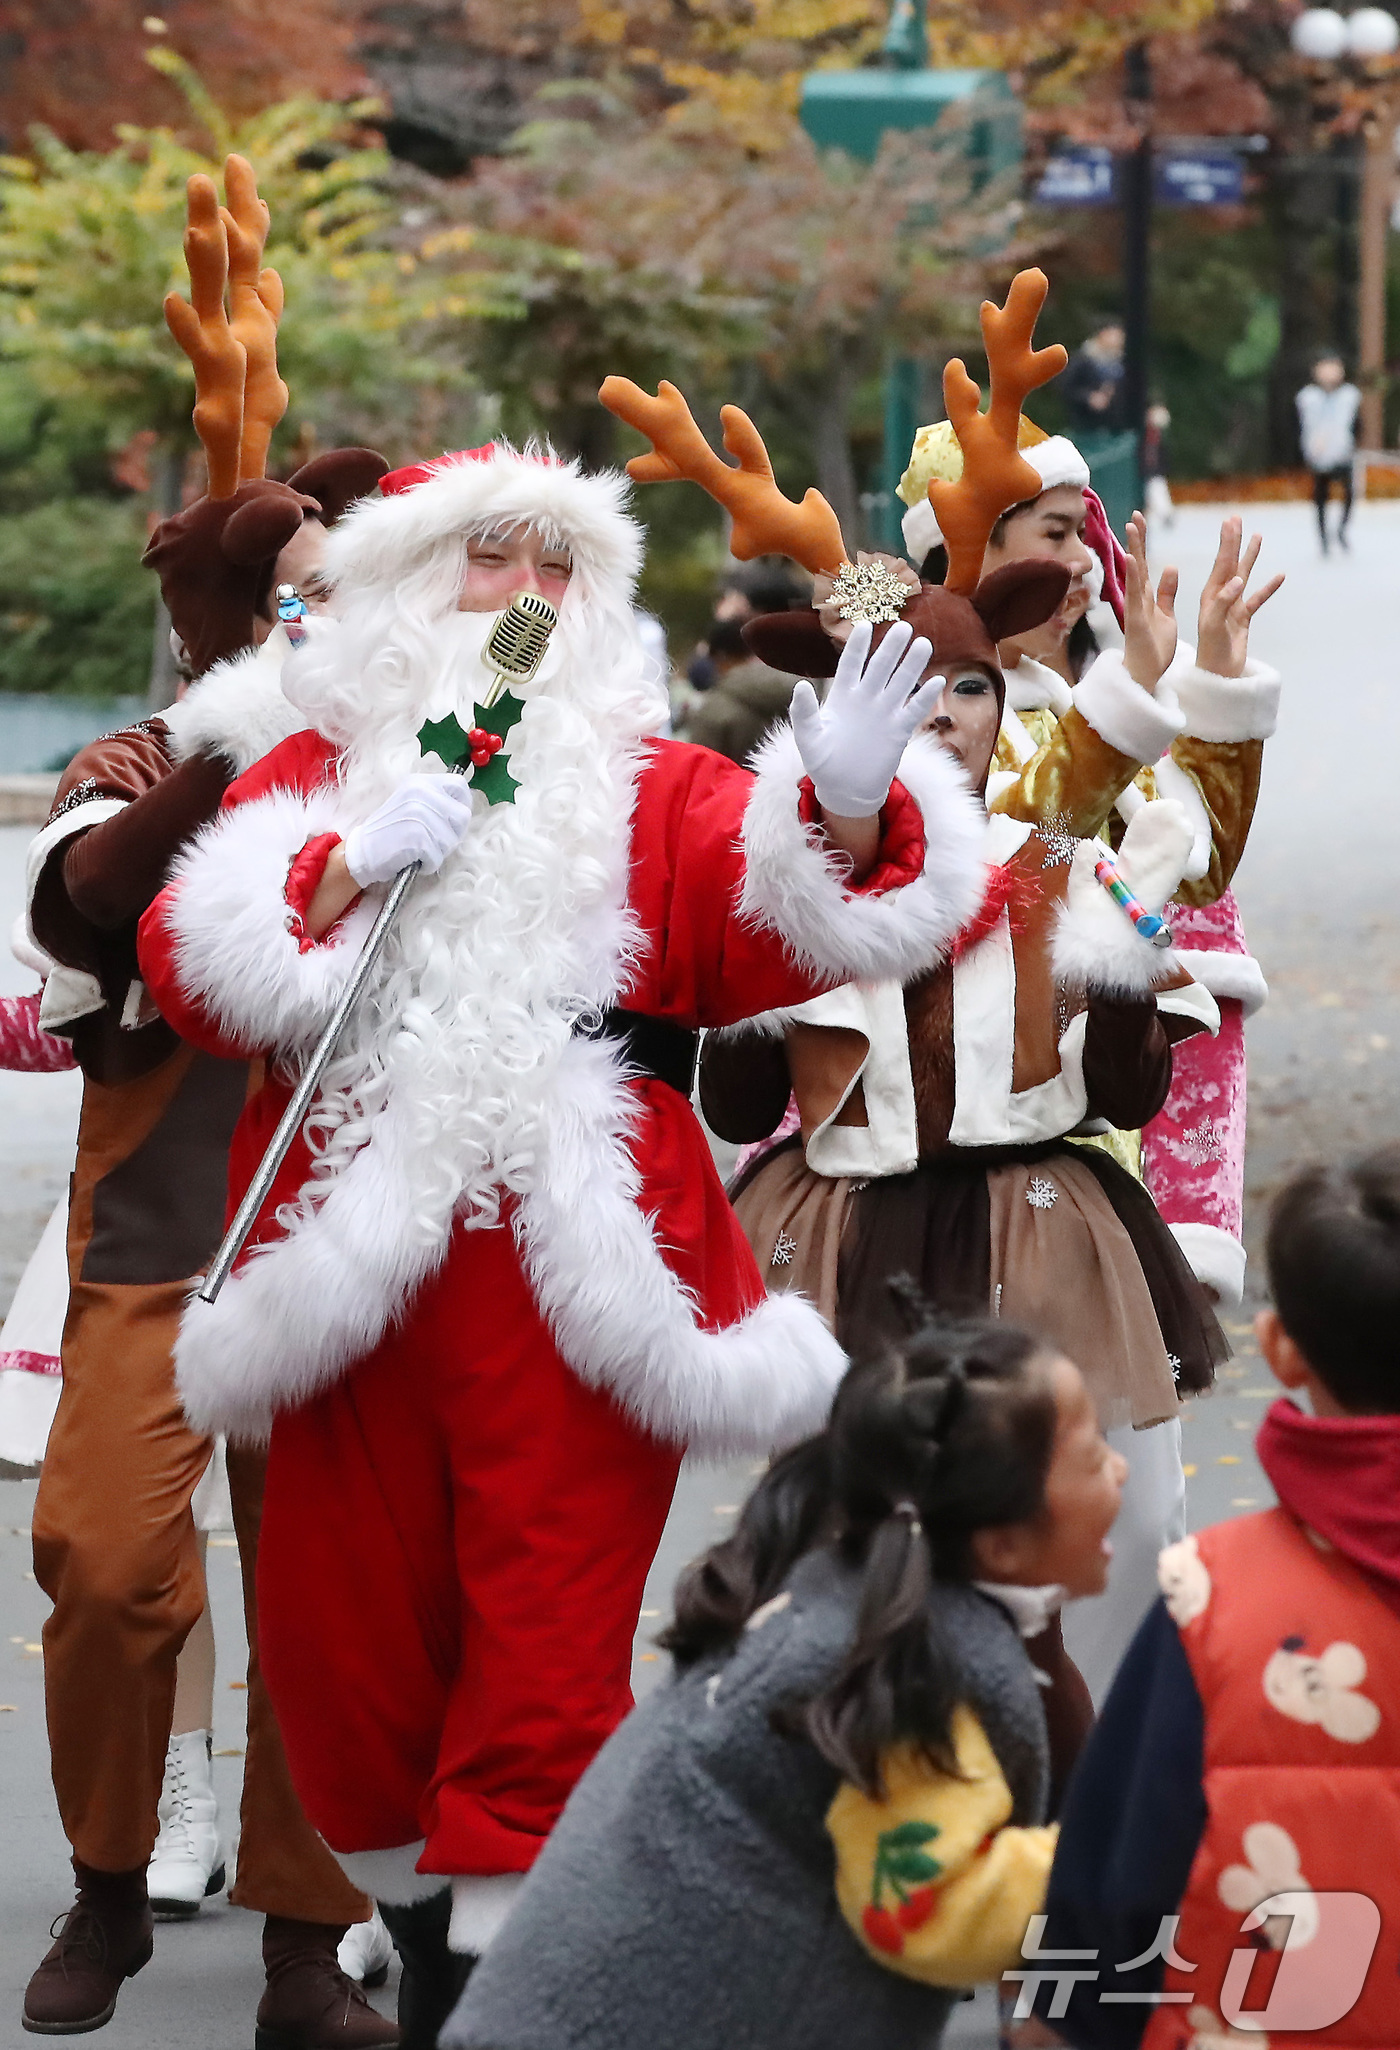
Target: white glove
{"points": [[423, 821], [1151, 859], [851, 746]]}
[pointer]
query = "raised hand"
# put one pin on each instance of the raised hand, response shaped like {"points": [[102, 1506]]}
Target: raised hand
{"points": [[423, 821], [851, 745], [1149, 624], [1227, 604]]}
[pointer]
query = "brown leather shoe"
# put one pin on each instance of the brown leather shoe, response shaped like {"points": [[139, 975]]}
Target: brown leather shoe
{"points": [[107, 1935], [310, 2004]]}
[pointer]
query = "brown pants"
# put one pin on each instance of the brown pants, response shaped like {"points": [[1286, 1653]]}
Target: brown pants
{"points": [[116, 1552]]}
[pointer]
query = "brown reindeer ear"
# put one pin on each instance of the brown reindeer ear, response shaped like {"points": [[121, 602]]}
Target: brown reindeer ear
{"points": [[795, 642], [1020, 596]]}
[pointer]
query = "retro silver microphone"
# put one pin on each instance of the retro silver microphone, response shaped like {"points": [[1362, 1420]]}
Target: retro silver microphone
{"points": [[514, 650]]}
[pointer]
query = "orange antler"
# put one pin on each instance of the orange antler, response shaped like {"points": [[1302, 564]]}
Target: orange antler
{"points": [[995, 476], [201, 327], [255, 297], [764, 522]]}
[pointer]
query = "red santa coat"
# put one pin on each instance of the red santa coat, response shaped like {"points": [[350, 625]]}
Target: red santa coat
{"points": [[732, 907]]}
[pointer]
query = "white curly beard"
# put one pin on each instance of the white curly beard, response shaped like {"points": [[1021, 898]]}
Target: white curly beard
{"points": [[449, 1059]]}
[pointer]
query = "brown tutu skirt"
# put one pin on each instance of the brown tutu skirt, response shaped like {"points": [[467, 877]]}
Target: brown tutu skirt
{"points": [[1055, 1237]]}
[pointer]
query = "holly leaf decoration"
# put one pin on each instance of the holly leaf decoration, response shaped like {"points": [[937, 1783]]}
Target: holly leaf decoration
{"points": [[495, 779], [445, 739]]}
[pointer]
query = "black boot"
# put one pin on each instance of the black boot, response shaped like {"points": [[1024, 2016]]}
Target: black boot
{"points": [[434, 1977]]}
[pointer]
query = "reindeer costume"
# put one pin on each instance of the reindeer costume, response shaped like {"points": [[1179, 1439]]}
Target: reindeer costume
{"points": [[114, 1537], [936, 1114]]}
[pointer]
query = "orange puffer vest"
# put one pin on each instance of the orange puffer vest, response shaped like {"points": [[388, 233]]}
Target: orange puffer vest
{"points": [[1297, 1662]]}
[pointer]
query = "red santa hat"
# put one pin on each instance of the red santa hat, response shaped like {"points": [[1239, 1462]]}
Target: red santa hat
{"points": [[385, 539]]}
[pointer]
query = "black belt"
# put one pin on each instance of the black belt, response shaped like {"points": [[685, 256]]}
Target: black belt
{"points": [[651, 1046]]}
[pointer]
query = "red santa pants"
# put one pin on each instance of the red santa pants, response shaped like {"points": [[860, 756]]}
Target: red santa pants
{"points": [[454, 1546]]}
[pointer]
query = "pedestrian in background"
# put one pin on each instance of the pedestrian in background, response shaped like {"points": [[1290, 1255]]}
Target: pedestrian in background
{"points": [[745, 700], [1093, 382], [1327, 410], [1156, 463]]}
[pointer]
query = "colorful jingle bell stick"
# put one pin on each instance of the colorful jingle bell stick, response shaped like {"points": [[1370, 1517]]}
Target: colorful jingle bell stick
{"points": [[1149, 926], [291, 610]]}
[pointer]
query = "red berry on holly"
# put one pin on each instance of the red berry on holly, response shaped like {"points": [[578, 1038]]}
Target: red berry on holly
{"points": [[915, 1911], [882, 1930]]}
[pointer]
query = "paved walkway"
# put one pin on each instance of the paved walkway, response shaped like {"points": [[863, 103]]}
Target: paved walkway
{"points": [[1316, 892]]}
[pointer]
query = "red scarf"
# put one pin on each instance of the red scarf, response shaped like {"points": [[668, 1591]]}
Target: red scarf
{"points": [[1341, 1477]]}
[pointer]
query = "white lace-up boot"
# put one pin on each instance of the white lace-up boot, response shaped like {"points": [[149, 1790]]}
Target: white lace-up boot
{"points": [[186, 1865], [366, 1950]]}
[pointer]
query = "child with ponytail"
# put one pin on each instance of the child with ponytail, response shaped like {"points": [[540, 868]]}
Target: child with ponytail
{"points": [[832, 1818]]}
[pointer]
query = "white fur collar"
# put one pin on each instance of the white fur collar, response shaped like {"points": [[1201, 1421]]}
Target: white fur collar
{"points": [[1033, 687], [237, 709]]}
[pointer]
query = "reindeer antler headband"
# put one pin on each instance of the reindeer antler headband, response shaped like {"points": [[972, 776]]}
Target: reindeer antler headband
{"points": [[239, 397], [995, 477]]}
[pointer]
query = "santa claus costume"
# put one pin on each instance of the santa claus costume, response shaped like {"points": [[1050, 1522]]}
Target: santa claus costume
{"points": [[497, 1290]]}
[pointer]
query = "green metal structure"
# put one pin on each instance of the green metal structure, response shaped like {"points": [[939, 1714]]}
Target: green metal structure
{"points": [[851, 111]]}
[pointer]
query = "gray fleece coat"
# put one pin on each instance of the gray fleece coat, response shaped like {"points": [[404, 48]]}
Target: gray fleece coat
{"points": [[687, 1896]]}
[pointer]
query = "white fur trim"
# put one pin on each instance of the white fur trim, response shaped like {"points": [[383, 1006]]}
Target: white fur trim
{"points": [[622, 1320], [1215, 1257], [383, 540], [297, 1313], [230, 920], [69, 993], [794, 886], [1055, 461], [1122, 713], [1194, 1001], [392, 1875], [1031, 686], [1229, 708], [921, 531], [1237, 976], [237, 708], [480, 1903], [1096, 945]]}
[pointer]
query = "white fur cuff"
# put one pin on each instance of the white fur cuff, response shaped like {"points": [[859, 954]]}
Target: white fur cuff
{"points": [[480, 1903], [794, 886], [1227, 976], [392, 1875], [1229, 708], [1216, 1258], [1097, 948], [1123, 714], [231, 925]]}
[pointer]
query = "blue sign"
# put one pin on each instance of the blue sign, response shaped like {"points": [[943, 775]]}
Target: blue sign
{"points": [[1199, 177], [1078, 177]]}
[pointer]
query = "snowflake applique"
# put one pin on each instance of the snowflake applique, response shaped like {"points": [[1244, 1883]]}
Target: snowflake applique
{"points": [[1205, 1141], [1058, 841], [869, 591], [1174, 1362], [1041, 1194], [783, 1249]]}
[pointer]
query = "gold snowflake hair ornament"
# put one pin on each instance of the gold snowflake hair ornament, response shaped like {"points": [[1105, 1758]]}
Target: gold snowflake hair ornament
{"points": [[869, 591]]}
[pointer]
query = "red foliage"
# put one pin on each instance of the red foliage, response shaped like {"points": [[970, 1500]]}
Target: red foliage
{"points": [[79, 66]]}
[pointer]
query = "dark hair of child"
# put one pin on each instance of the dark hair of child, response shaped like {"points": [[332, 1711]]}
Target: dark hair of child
{"points": [[1333, 1255], [941, 1436]]}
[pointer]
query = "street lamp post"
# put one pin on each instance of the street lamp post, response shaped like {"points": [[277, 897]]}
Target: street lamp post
{"points": [[1366, 42]]}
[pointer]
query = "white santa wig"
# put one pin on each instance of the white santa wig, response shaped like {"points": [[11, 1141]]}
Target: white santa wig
{"points": [[521, 929]]}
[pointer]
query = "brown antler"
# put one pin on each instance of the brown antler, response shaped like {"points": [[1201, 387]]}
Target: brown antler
{"points": [[255, 298], [995, 476], [764, 522], [201, 327]]}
